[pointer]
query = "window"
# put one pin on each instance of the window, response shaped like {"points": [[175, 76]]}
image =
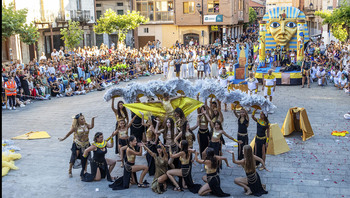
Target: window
{"points": [[98, 5], [120, 4], [120, 12], [159, 10], [145, 30], [240, 5], [189, 7], [98, 14], [213, 6]]}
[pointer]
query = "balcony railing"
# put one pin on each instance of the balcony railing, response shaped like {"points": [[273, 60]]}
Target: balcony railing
{"points": [[80, 15]]}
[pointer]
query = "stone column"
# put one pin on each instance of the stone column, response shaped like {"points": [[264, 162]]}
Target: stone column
{"points": [[262, 41], [300, 41]]}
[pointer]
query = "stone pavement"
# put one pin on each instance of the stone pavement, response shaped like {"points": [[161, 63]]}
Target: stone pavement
{"points": [[318, 167]]}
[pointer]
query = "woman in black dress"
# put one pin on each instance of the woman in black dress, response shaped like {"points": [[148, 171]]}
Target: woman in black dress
{"points": [[305, 71], [252, 183], [120, 114], [99, 164], [243, 123], [212, 178], [130, 168], [185, 171], [262, 135], [136, 128]]}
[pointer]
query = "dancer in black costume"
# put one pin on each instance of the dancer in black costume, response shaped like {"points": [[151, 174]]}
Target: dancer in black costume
{"points": [[262, 135], [99, 164], [120, 114], [243, 123], [152, 140], [212, 178], [185, 156], [136, 128], [251, 183], [130, 168]]}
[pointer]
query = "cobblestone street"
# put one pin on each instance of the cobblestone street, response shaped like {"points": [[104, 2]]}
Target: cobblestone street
{"points": [[318, 167]]}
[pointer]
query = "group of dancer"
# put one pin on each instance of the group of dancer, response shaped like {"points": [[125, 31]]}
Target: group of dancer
{"points": [[172, 155]]}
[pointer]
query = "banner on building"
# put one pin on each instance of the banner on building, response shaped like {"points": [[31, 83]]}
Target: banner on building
{"points": [[213, 18]]}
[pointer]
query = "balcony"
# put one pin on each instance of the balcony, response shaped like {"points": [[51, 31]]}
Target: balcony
{"points": [[82, 16]]}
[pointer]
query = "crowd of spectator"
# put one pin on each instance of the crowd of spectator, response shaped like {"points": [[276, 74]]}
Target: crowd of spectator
{"points": [[83, 70]]}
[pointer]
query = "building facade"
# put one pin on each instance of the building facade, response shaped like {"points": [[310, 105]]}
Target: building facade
{"points": [[183, 20], [120, 7], [259, 7], [50, 16]]}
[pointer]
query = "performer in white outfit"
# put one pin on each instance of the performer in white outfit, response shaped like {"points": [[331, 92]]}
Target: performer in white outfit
{"points": [[200, 68], [206, 65], [252, 84], [269, 84], [184, 66], [171, 72], [190, 66], [165, 65], [214, 68]]}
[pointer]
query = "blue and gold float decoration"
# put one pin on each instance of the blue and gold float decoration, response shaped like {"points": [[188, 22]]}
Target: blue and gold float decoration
{"points": [[283, 27]]}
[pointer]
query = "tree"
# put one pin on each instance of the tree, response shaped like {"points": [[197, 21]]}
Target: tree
{"points": [[112, 22], [13, 22], [72, 35], [252, 15], [339, 20]]}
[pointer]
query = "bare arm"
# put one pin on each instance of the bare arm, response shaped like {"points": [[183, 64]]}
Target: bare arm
{"points": [[149, 151], [253, 116], [223, 159], [113, 108], [239, 162], [210, 121], [177, 138], [130, 123], [176, 155], [261, 161], [198, 160], [132, 152], [68, 134], [88, 150], [230, 137], [92, 123], [109, 145]]}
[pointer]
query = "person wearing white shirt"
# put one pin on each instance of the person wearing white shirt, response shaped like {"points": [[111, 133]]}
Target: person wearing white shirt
{"points": [[55, 55], [184, 66], [252, 84], [342, 81], [321, 75], [200, 67], [165, 65], [42, 57], [190, 66], [207, 70], [336, 74], [269, 84], [51, 69]]}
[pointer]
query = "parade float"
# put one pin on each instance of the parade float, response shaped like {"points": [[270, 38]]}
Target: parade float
{"points": [[284, 29]]}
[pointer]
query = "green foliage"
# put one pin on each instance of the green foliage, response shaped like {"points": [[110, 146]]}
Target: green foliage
{"points": [[339, 19], [29, 34], [339, 31], [73, 35], [252, 15], [112, 22], [13, 22]]}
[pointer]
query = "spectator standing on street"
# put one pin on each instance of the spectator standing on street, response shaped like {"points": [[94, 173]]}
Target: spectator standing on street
{"points": [[11, 92]]}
